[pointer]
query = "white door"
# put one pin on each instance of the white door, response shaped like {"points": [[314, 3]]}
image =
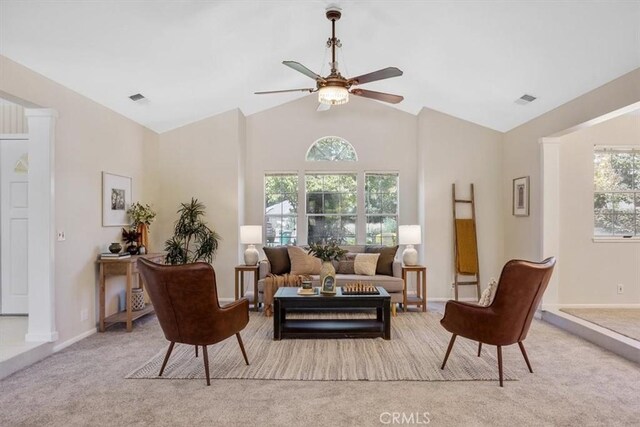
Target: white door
{"points": [[13, 226]]}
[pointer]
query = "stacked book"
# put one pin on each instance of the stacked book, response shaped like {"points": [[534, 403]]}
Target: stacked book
{"points": [[109, 255]]}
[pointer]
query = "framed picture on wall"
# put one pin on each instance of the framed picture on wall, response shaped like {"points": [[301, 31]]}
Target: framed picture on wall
{"points": [[521, 196], [116, 199]]}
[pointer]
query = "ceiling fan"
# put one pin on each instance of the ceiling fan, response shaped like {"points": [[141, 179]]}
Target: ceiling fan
{"points": [[335, 89]]}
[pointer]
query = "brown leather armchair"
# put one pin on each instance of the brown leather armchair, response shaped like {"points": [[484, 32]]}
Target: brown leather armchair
{"points": [[506, 321], [185, 299]]}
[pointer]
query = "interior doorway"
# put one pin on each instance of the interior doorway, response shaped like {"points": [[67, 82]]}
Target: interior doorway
{"points": [[14, 203]]}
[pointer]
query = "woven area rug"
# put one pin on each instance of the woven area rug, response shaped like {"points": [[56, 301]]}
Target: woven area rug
{"points": [[625, 321], [414, 353]]}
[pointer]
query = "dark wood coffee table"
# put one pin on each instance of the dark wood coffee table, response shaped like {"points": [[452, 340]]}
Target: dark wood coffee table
{"points": [[287, 299]]}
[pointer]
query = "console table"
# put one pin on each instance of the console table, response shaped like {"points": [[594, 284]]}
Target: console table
{"points": [[123, 267]]}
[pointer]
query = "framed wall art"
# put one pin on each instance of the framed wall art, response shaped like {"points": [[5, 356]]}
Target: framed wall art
{"points": [[521, 196], [116, 199]]}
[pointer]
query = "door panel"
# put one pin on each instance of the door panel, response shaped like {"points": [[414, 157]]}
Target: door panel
{"points": [[13, 226]]}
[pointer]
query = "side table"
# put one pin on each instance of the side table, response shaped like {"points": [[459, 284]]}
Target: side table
{"points": [[239, 290], [420, 297], [123, 267]]}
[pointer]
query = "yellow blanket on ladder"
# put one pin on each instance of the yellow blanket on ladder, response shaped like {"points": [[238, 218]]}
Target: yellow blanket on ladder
{"points": [[467, 262]]}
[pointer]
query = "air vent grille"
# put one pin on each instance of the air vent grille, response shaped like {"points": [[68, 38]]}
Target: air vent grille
{"points": [[525, 99], [136, 97]]}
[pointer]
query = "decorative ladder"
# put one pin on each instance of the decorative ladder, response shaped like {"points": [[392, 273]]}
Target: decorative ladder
{"points": [[465, 245]]}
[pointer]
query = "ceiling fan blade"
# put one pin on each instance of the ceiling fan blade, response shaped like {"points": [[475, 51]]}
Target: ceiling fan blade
{"points": [[310, 90], [380, 96], [302, 69], [323, 107], [385, 73]]}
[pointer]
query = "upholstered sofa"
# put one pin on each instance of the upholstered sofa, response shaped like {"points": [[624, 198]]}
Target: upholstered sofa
{"points": [[392, 283]]}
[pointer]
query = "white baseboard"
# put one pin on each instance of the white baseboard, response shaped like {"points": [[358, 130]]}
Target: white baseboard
{"points": [[559, 306], [67, 343]]}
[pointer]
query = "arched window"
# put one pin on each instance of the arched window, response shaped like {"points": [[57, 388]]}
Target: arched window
{"points": [[331, 149]]}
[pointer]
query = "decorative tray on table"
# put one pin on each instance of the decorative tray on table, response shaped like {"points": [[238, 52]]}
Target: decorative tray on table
{"points": [[303, 291]]}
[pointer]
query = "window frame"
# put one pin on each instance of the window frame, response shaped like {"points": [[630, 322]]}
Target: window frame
{"points": [[265, 216], [605, 238], [382, 214]]}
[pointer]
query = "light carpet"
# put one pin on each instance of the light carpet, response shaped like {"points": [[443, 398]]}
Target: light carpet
{"points": [[414, 353], [625, 321]]}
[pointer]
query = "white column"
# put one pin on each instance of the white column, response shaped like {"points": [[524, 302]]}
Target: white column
{"points": [[41, 228], [550, 234]]}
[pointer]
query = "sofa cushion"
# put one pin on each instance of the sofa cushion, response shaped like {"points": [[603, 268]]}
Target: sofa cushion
{"points": [[278, 259], [302, 262], [365, 264], [346, 264], [385, 261]]}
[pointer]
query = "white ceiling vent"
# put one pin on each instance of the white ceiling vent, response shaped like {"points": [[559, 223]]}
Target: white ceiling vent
{"points": [[139, 97], [525, 99]]}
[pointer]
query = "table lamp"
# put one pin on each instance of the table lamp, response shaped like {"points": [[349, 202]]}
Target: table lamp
{"points": [[251, 235], [409, 235]]}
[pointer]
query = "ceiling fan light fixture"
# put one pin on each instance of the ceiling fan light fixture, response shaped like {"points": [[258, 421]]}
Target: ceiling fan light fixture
{"points": [[333, 95]]}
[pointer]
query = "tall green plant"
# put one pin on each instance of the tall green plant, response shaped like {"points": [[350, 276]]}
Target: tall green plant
{"points": [[192, 240]]}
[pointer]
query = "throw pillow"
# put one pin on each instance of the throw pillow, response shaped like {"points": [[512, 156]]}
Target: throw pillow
{"points": [[365, 264], [278, 259], [346, 264], [302, 262], [488, 294], [385, 262]]}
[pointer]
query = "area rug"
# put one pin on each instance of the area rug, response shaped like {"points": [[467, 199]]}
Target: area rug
{"points": [[624, 321], [414, 353]]}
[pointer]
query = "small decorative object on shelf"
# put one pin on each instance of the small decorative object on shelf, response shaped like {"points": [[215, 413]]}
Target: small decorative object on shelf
{"points": [[115, 248], [137, 299], [307, 284], [109, 255], [359, 288], [142, 249], [311, 291]]}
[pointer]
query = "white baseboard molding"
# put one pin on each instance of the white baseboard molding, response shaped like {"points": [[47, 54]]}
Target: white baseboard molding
{"points": [[559, 306], [67, 343]]}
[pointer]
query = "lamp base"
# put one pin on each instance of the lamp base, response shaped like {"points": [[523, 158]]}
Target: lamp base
{"points": [[410, 256], [251, 255]]}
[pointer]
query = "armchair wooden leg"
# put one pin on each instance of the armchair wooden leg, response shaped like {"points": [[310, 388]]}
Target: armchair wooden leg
{"points": [[205, 356], [166, 357], [500, 364], [479, 349], [196, 351], [524, 353], [446, 356], [244, 353]]}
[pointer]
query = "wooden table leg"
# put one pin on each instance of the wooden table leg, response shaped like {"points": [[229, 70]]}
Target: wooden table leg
{"points": [[102, 299], [404, 291], [128, 293], [241, 284], [236, 287], [424, 290], [255, 290]]}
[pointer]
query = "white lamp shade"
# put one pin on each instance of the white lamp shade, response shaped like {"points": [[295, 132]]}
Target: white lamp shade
{"points": [[250, 234], [409, 235]]}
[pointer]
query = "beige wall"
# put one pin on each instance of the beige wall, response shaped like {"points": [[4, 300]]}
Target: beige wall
{"points": [[591, 270], [89, 139], [521, 157], [203, 160], [456, 151]]}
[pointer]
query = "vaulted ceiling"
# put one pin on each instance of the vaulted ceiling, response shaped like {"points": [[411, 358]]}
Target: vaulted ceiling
{"points": [[194, 59]]}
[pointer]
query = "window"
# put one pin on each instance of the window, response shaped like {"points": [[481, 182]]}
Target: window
{"points": [[616, 197], [381, 208], [331, 149], [331, 208], [281, 209]]}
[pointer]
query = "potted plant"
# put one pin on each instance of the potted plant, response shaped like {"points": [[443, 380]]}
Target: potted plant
{"points": [[192, 240], [131, 238], [327, 253], [141, 218]]}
